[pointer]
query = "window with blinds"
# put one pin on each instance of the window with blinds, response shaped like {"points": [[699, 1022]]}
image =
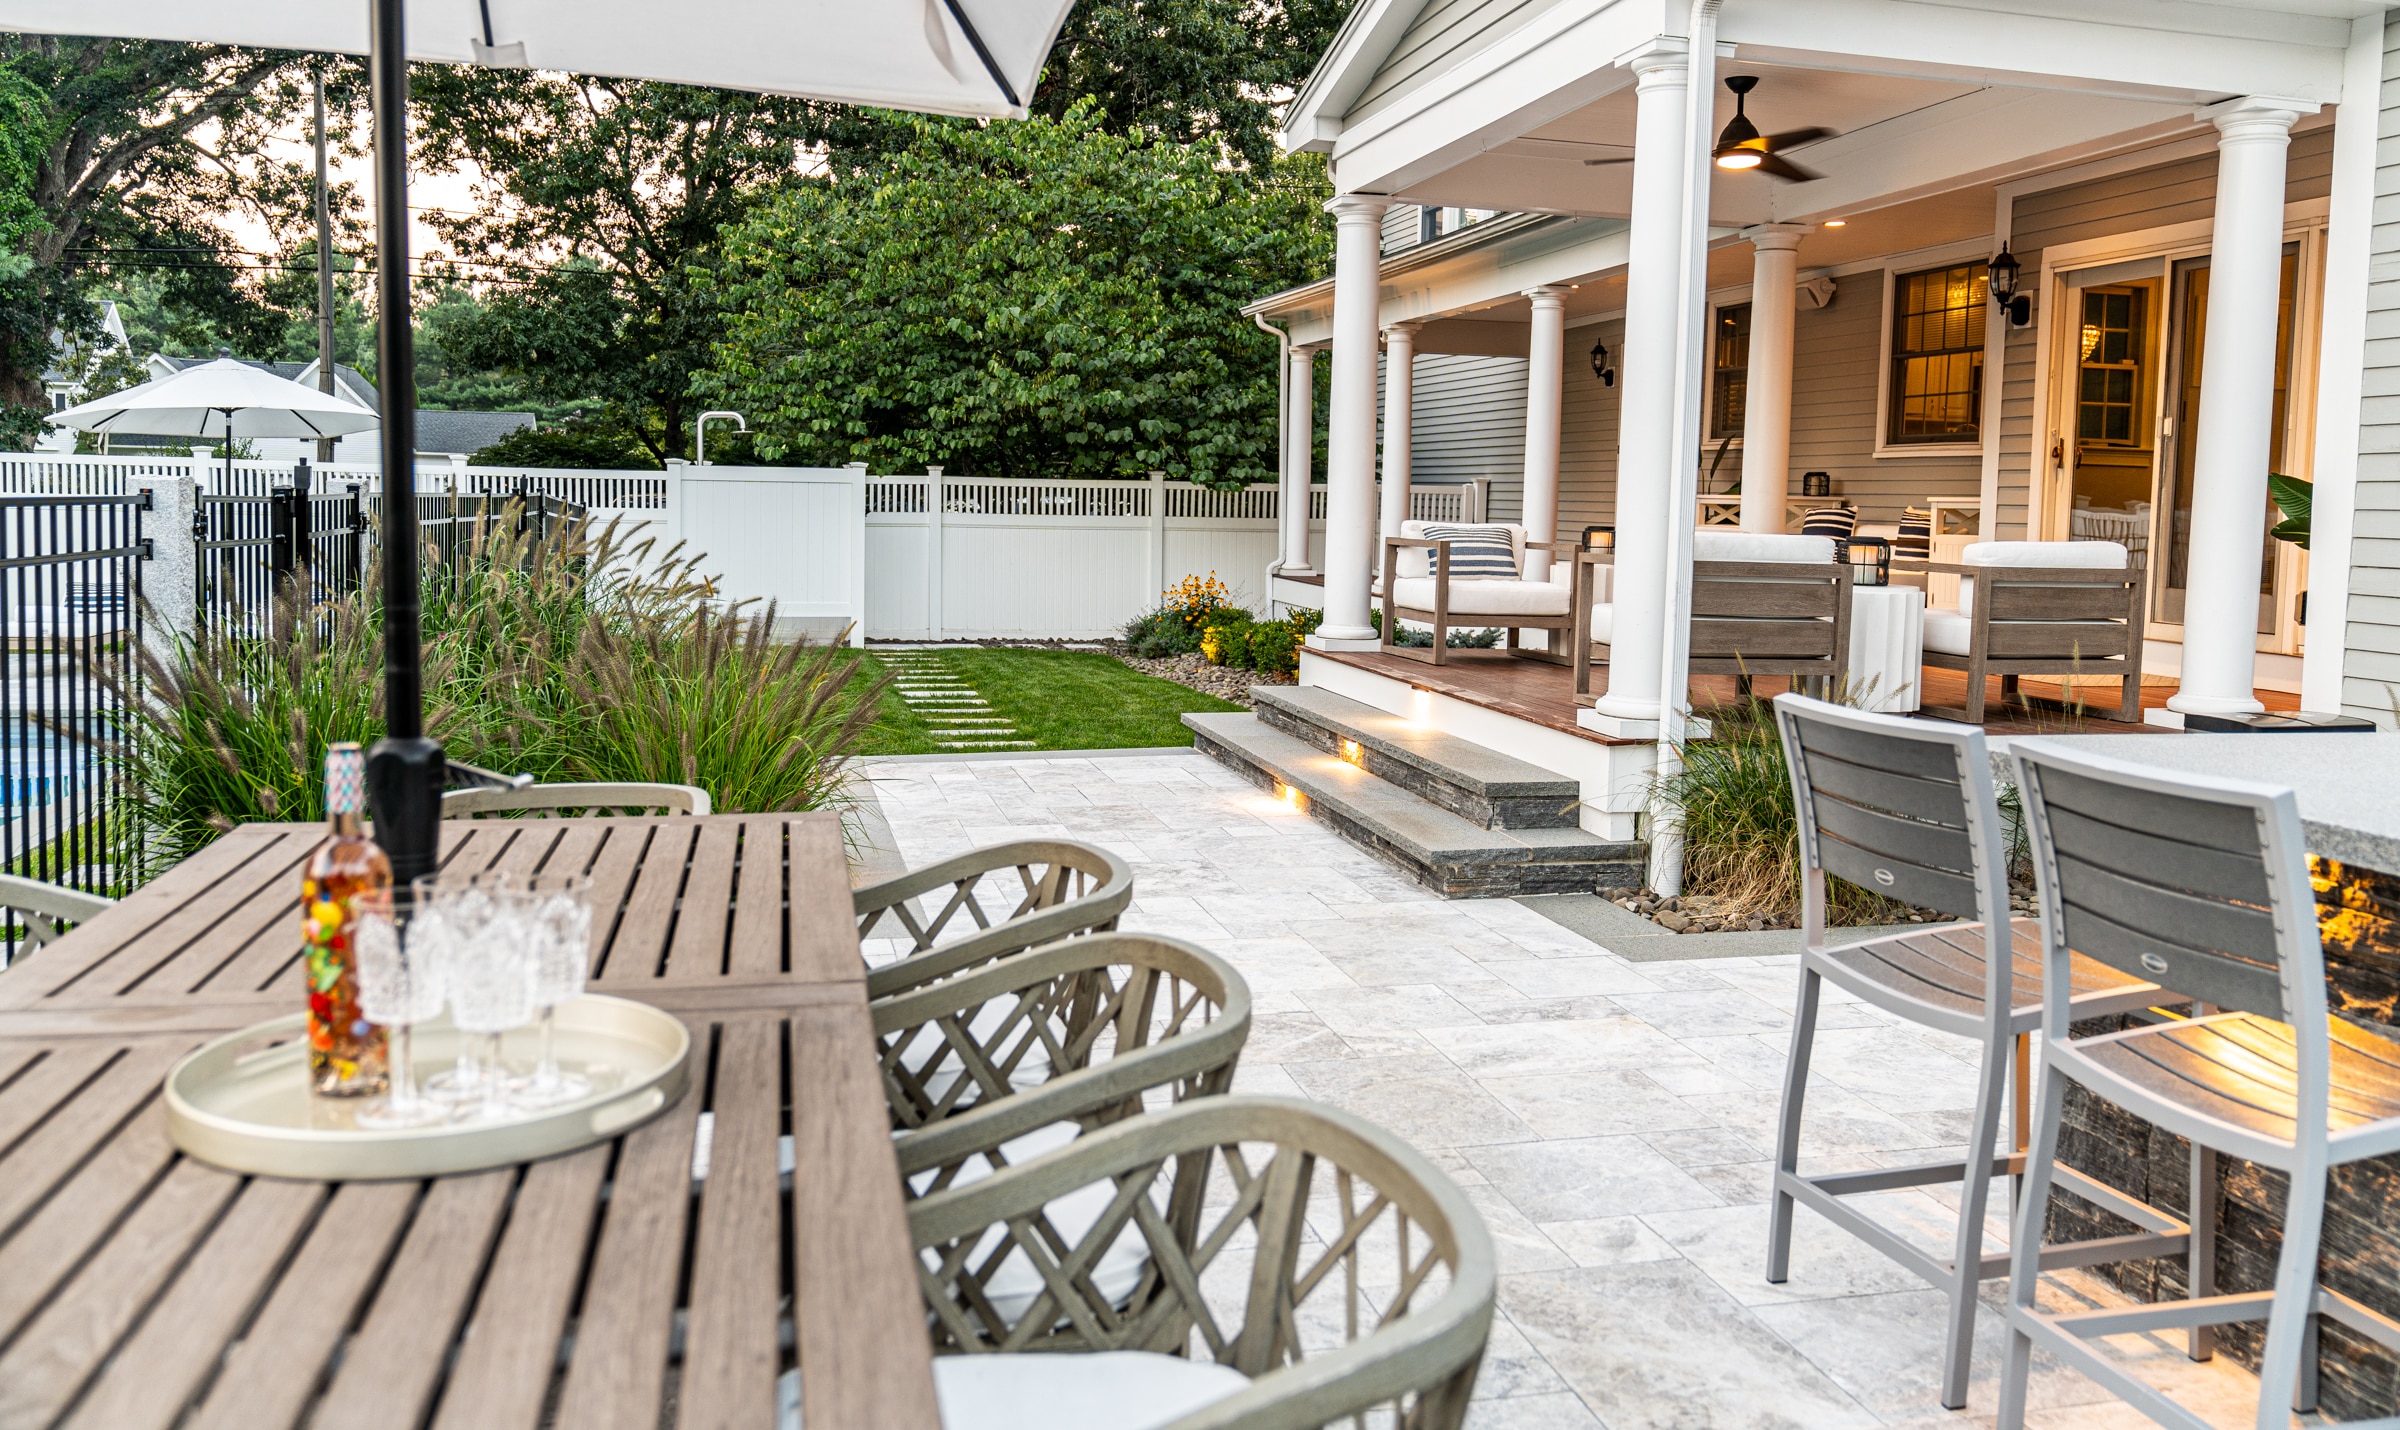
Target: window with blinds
{"points": [[1937, 356], [1729, 371]]}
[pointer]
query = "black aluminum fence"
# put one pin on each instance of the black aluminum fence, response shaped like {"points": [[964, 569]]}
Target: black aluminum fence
{"points": [[71, 624], [253, 546]]}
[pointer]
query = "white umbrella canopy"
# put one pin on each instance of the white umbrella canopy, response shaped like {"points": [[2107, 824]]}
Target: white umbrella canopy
{"points": [[223, 398], [970, 57]]}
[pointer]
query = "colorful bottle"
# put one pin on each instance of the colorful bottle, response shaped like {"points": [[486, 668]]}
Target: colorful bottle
{"points": [[345, 1051]]}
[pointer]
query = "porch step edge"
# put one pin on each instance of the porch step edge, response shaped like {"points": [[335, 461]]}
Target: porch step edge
{"points": [[1475, 782], [1447, 853]]}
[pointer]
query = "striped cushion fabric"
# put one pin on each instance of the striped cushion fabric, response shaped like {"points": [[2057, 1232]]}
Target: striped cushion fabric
{"points": [[1477, 551], [1834, 521], [1915, 541]]}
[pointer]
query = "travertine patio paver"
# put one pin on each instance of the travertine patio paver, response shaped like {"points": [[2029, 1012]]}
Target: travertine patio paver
{"points": [[1611, 1119]]}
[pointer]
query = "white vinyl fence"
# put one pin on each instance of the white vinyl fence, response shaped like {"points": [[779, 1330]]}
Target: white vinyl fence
{"points": [[922, 557]]}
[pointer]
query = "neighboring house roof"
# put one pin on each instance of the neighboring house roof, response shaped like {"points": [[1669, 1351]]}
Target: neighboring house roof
{"points": [[112, 330], [465, 433]]}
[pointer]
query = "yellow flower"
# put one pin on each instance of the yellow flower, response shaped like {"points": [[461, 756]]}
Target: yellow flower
{"points": [[326, 914]]}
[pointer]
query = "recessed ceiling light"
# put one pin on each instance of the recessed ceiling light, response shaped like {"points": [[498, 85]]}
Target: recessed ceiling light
{"points": [[1837, 223]]}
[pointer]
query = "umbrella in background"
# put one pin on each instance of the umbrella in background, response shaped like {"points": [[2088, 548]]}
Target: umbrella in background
{"points": [[224, 399], [969, 57]]}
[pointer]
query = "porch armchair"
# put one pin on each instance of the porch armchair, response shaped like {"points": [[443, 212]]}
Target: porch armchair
{"points": [[2064, 608], [1422, 587], [1762, 604]]}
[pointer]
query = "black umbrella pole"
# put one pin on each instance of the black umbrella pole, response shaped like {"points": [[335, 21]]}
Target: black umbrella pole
{"points": [[405, 770]]}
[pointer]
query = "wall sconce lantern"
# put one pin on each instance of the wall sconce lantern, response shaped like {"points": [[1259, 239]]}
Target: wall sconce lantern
{"points": [[1600, 367], [1599, 538], [1870, 561], [2003, 271], [1816, 484]]}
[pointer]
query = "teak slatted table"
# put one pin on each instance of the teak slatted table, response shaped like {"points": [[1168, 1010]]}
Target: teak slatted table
{"points": [[601, 1289]]}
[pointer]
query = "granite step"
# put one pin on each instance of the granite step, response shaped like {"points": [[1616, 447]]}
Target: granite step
{"points": [[1472, 781], [1453, 856]]}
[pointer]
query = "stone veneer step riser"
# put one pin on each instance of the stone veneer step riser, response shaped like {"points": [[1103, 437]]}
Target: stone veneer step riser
{"points": [[1521, 870], [1491, 811]]}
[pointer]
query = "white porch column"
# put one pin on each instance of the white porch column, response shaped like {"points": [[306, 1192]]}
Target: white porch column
{"points": [[1767, 405], [1545, 381], [1399, 415], [1299, 459], [2237, 397], [1646, 429], [1350, 427]]}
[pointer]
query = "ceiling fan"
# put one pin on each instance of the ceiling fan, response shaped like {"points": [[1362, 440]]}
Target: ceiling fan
{"points": [[1741, 147]]}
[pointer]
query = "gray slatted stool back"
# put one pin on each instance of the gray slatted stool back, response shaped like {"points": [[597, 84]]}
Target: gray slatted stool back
{"points": [[1896, 807], [2194, 885]]}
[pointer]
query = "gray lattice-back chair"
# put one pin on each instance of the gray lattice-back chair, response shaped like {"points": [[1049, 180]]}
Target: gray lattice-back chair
{"points": [[2201, 884], [39, 909], [1906, 808], [1337, 1274], [1069, 1036], [988, 903], [575, 800]]}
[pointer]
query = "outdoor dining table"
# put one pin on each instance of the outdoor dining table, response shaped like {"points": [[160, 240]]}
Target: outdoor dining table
{"points": [[2347, 786], [607, 1287]]}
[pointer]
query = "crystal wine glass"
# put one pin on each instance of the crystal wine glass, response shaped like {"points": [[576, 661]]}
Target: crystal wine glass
{"points": [[559, 920], [398, 988], [491, 985], [451, 912]]}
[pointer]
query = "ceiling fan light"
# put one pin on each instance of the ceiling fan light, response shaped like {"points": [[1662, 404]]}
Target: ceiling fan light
{"points": [[1739, 159]]}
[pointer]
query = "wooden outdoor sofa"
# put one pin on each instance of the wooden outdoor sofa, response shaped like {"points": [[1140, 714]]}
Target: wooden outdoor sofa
{"points": [[2065, 608], [1762, 604]]}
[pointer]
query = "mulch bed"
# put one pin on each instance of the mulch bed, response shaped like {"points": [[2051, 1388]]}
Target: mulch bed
{"points": [[1698, 913], [1194, 672]]}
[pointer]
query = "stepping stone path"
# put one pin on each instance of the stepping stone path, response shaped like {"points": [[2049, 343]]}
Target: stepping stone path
{"points": [[959, 718]]}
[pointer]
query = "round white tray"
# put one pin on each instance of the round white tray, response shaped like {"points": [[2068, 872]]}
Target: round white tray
{"points": [[243, 1103]]}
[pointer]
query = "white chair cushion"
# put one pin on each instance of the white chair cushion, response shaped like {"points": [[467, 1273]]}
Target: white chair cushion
{"points": [[1761, 546], [1418, 560], [1484, 598], [1604, 624], [1948, 630], [1014, 1284], [928, 1046], [2036, 556], [2054, 555], [1100, 1390], [1952, 631]]}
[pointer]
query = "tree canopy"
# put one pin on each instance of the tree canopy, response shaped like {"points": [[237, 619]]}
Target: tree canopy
{"points": [[1043, 298]]}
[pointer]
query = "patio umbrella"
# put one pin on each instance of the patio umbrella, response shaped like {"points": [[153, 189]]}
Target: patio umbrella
{"points": [[224, 399], [969, 57]]}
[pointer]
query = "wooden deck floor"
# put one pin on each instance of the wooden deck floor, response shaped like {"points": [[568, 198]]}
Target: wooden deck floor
{"points": [[1545, 694]]}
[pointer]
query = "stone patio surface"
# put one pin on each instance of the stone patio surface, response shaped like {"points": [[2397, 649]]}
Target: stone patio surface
{"points": [[1611, 1119]]}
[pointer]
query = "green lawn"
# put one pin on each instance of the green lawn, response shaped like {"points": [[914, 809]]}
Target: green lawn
{"points": [[1059, 699]]}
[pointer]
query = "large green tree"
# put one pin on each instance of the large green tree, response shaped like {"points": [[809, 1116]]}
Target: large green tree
{"points": [[596, 202], [1042, 298]]}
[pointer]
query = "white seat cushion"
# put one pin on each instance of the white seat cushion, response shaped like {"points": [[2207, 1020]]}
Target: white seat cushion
{"points": [[928, 1046], [1952, 632], [1761, 546], [1948, 630], [1014, 1284], [2054, 555], [1485, 598], [1101, 1390], [1604, 624]]}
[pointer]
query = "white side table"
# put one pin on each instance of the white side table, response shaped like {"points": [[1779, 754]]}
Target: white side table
{"points": [[1887, 648]]}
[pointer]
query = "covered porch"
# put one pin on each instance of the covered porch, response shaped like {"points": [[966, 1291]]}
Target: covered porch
{"points": [[1554, 207]]}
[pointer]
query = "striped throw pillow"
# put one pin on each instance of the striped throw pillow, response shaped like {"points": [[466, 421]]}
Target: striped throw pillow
{"points": [[1475, 551], [1915, 541], [1837, 522]]}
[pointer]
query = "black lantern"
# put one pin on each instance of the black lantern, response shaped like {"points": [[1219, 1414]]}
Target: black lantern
{"points": [[1816, 484], [1599, 538], [1870, 561], [1600, 367], [2002, 272]]}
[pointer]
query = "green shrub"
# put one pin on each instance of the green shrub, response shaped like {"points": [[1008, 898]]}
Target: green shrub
{"points": [[1186, 612], [591, 446], [1275, 648]]}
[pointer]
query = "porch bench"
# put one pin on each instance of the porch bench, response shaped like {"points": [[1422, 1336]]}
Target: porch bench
{"points": [[1422, 588], [1762, 604], [2069, 608]]}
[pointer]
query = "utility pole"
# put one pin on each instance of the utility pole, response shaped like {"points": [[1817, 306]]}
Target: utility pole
{"points": [[324, 267]]}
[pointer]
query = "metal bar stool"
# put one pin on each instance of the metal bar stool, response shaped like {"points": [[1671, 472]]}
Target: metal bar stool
{"points": [[1906, 807], [2203, 885]]}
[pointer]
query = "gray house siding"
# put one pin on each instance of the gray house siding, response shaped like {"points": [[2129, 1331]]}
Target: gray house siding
{"points": [[2371, 655], [1469, 423], [2180, 192]]}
